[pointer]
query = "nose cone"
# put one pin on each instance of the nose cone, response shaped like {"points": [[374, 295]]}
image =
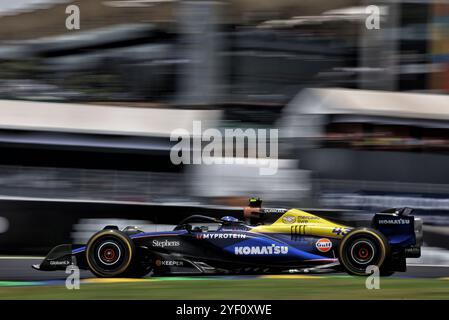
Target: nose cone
{"points": [[36, 266]]}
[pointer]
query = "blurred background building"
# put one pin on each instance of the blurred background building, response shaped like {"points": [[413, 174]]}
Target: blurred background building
{"points": [[362, 113]]}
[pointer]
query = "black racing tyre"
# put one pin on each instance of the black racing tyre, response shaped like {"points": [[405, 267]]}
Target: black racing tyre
{"points": [[109, 253], [363, 247], [139, 271], [143, 264], [386, 273]]}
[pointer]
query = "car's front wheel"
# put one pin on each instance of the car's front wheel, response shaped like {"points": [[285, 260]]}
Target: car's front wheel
{"points": [[361, 248], [109, 253]]}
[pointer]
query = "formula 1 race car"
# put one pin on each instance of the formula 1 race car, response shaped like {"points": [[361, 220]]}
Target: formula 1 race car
{"points": [[270, 240]]}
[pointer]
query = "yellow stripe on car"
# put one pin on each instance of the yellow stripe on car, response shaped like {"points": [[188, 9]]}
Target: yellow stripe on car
{"points": [[299, 222]]}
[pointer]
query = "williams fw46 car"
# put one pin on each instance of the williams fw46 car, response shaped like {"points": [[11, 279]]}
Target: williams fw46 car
{"points": [[270, 240]]}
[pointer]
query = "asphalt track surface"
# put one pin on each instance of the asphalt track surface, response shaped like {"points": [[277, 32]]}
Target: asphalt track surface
{"points": [[19, 269]]}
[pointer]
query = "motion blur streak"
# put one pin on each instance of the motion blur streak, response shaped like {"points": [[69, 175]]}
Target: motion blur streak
{"points": [[4, 225], [86, 115]]}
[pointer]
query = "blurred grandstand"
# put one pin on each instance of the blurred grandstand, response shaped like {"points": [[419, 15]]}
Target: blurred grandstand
{"points": [[86, 114]]}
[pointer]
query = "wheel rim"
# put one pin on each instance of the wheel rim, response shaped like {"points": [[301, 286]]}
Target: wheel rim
{"points": [[362, 252], [109, 253], [360, 249]]}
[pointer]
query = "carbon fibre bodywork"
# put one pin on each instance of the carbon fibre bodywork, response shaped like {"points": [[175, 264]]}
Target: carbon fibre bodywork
{"points": [[269, 241]]}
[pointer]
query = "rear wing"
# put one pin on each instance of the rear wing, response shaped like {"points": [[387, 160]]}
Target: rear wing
{"points": [[401, 229], [405, 211]]}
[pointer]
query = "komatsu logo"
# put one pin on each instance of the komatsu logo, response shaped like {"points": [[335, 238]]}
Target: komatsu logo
{"points": [[394, 221], [261, 250], [221, 236]]}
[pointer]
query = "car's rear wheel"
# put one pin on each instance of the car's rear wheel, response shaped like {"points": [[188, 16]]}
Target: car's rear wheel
{"points": [[109, 253], [361, 248], [386, 273]]}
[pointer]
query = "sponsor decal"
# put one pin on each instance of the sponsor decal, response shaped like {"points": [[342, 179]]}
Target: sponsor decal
{"points": [[221, 236], [394, 221], [261, 250], [341, 231], [323, 245], [274, 210], [170, 263], [308, 217], [59, 263], [165, 243], [288, 219]]}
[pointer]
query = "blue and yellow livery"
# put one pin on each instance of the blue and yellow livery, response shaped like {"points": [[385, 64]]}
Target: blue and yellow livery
{"points": [[264, 240]]}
